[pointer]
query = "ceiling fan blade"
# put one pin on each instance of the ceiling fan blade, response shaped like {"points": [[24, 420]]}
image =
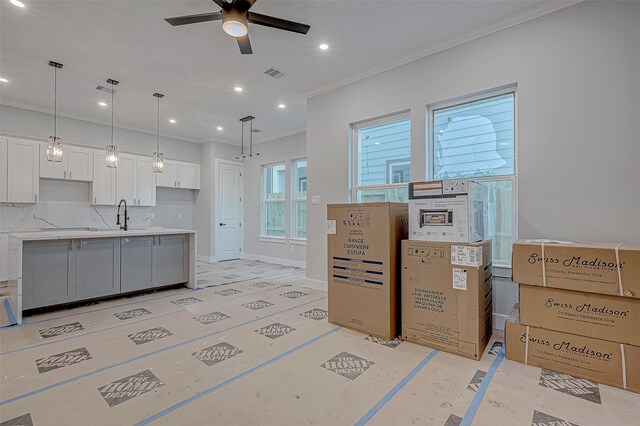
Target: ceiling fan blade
{"points": [[220, 3], [193, 19], [281, 24], [245, 45]]}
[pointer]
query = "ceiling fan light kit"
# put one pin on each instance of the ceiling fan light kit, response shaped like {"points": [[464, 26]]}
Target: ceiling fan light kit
{"points": [[235, 17]]}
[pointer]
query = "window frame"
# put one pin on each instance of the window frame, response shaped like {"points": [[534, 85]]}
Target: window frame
{"points": [[461, 100], [264, 201], [294, 199], [355, 166]]}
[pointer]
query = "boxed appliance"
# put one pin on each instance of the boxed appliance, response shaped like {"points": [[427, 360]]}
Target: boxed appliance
{"points": [[447, 295], [587, 314], [452, 210], [601, 361], [363, 266], [604, 268]]}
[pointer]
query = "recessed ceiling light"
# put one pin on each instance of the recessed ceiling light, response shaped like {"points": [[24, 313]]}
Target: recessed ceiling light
{"points": [[377, 143], [3, 80], [102, 104], [238, 89], [172, 121], [219, 128], [282, 106], [324, 46], [17, 3]]}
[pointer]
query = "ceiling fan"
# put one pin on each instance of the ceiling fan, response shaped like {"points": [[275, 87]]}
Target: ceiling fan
{"points": [[235, 17]]}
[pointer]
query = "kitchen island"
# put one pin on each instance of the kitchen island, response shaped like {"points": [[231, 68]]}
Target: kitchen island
{"points": [[62, 266]]}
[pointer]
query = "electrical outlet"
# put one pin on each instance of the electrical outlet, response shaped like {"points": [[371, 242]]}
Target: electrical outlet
{"points": [[316, 199], [179, 215]]}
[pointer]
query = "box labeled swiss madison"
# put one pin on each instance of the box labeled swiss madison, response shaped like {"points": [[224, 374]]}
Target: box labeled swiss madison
{"points": [[606, 268], [363, 266], [602, 361], [612, 318], [447, 295]]}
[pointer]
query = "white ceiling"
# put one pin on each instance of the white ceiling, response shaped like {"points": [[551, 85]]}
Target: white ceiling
{"points": [[197, 66]]}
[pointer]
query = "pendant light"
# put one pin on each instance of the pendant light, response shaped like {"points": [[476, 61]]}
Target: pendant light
{"points": [[112, 150], [242, 155], [54, 147], [158, 157]]}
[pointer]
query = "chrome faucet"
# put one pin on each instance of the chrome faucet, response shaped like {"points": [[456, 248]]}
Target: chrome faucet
{"points": [[126, 217]]}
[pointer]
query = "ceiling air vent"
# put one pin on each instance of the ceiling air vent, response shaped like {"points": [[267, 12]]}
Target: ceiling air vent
{"points": [[275, 72], [105, 89]]}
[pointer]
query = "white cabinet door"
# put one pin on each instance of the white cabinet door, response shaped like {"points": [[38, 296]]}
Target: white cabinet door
{"points": [[168, 177], [52, 169], [79, 163], [103, 188], [146, 182], [23, 171], [126, 179], [186, 173]]}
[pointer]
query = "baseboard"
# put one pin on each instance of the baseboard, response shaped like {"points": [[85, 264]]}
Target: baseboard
{"points": [[278, 260], [316, 284], [499, 320], [207, 259]]}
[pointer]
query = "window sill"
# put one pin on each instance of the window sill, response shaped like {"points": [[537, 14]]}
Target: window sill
{"points": [[279, 240], [298, 241]]}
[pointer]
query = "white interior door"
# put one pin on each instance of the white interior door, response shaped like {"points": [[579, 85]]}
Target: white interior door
{"points": [[229, 211]]}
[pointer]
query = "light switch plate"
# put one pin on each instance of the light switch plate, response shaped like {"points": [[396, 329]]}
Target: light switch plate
{"points": [[179, 215], [316, 199]]}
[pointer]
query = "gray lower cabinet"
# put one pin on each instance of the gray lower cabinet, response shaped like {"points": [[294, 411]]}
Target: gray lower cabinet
{"points": [[137, 263], [172, 259], [98, 268], [63, 271], [48, 273]]}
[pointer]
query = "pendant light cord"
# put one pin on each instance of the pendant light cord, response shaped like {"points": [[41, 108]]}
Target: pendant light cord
{"points": [[111, 114], [251, 138], [242, 140], [158, 129], [55, 102]]}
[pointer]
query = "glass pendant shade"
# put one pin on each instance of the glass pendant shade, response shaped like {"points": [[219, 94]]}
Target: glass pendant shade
{"points": [[112, 156], [158, 162], [54, 149]]}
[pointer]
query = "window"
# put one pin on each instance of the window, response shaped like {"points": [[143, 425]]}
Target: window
{"points": [[475, 138], [299, 199], [381, 166], [273, 201]]}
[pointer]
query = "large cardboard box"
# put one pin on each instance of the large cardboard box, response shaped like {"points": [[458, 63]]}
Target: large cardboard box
{"points": [[590, 267], [447, 295], [601, 361], [364, 247], [452, 210], [587, 314]]}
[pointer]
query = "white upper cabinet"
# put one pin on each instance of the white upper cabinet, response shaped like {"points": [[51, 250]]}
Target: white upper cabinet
{"points": [[180, 174], [168, 177], [126, 179], [103, 188], [76, 164], [145, 182], [23, 171]]}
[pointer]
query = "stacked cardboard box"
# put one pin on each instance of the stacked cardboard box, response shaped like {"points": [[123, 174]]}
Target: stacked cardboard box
{"points": [[363, 270], [579, 309], [447, 295]]}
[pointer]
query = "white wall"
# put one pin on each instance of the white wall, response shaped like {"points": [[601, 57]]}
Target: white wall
{"points": [[284, 150], [577, 72]]}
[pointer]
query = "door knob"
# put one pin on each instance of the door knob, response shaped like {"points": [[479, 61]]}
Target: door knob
{"points": [[223, 224]]}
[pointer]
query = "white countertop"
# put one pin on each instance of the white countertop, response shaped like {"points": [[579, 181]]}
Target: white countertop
{"points": [[70, 234]]}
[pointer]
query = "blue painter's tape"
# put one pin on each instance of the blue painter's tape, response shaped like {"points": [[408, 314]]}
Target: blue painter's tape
{"points": [[482, 389], [385, 399], [232, 379], [146, 354], [10, 316]]}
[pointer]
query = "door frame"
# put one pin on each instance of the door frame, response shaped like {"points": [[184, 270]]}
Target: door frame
{"points": [[217, 205]]}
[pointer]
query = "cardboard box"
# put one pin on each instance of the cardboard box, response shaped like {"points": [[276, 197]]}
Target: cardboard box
{"points": [[601, 361], [612, 318], [590, 267], [448, 210], [364, 247], [447, 295]]}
